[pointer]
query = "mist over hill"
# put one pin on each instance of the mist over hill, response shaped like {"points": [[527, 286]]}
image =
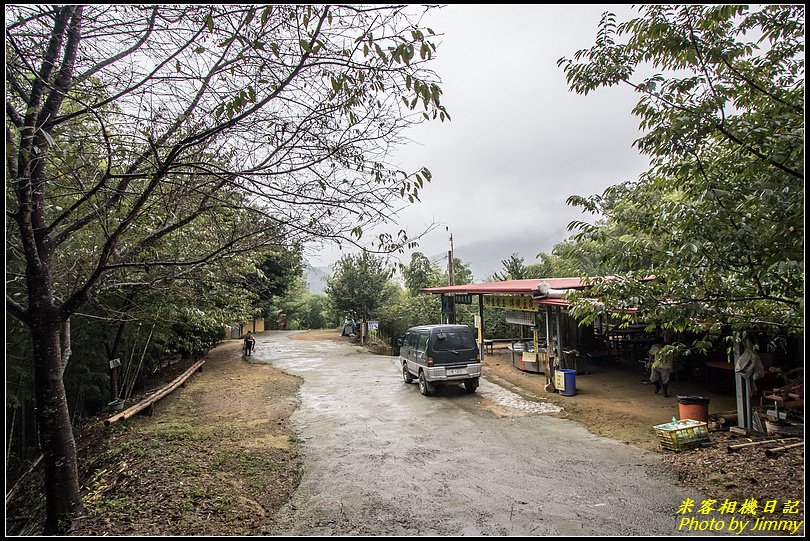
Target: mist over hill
{"points": [[316, 277], [484, 258]]}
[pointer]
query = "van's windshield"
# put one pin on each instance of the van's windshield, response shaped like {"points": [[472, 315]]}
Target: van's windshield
{"points": [[447, 341]]}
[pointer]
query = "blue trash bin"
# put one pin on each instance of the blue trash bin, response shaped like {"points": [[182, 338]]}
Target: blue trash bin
{"points": [[570, 380]]}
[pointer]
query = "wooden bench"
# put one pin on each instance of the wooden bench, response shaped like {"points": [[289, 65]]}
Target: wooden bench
{"points": [[489, 343]]}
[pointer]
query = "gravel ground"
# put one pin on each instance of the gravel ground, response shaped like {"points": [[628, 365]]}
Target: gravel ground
{"points": [[380, 459]]}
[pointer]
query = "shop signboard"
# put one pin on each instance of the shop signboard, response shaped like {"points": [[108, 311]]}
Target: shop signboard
{"points": [[519, 317], [559, 380], [448, 304], [511, 302]]}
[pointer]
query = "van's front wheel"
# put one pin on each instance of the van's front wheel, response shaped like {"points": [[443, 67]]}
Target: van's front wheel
{"points": [[425, 387], [471, 385], [406, 376]]}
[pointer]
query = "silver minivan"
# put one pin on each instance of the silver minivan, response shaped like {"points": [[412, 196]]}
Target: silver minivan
{"points": [[438, 354]]}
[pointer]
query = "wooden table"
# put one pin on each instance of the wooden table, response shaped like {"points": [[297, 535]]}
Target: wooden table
{"points": [[489, 343], [720, 365]]}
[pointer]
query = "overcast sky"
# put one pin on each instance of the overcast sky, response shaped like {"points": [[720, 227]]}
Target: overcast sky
{"points": [[519, 142]]}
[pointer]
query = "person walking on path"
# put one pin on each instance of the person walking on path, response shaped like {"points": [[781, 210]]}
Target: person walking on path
{"points": [[661, 361], [250, 343]]}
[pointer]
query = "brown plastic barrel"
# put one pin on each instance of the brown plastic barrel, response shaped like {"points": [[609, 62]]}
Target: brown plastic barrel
{"points": [[693, 407]]}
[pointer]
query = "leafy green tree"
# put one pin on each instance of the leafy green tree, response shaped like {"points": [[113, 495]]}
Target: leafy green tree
{"points": [[410, 307], [317, 314], [462, 274], [359, 285], [298, 308], [717, 221], [579, 257], [513, 269], [547, 266], [417, 273], [405, 310], [421, 273], [550, 266], [147, 142], [278, 270]]}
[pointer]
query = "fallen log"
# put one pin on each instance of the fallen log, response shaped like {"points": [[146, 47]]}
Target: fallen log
{"points": [[776, 450], [154, 397], [737, 446], [727, 418]]}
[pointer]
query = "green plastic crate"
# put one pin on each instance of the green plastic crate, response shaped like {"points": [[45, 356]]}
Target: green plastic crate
{"points": [[682, 435]]}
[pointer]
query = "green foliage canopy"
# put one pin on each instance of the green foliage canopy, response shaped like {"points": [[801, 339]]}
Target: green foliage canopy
{"points": [[421, 273], [513, 269], [147, 144], [718, 218], [359, 285]]}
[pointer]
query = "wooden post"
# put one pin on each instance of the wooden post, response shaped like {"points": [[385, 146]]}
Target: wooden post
{"points": [[114, 383], [442, 320], [481, 318], [558, 313], [744, 411], [549, 365], [115, 364]]}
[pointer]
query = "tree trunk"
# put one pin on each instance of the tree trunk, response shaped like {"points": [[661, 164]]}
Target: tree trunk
{"points": [[63, 499]]}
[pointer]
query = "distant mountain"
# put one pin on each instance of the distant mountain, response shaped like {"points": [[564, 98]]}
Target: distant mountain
{"points": [[316, 278], [485, 257]]}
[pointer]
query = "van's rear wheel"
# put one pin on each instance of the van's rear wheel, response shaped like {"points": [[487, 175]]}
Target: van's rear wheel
{"points": [[425, 387], [406, 376], [471, 385]]}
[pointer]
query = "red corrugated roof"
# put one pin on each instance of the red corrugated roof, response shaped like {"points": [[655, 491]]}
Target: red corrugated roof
{"points": [[552, 302], [514, 287]]}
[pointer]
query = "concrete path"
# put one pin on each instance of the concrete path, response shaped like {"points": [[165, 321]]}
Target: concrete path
{"points": [[381, 459]]}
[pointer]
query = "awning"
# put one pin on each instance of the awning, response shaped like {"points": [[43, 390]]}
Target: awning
{"points": [[513, 287], [551, 302]]}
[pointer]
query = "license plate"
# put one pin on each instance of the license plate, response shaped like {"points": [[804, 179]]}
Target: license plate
{"points": [[456, 371]]}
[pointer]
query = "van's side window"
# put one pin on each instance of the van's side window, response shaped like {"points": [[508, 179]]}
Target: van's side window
{"points": [[410, 339], [423, 340]]}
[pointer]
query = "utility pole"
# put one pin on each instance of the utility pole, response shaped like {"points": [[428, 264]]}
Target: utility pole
{"points": [[450, 273], [450, 263]]}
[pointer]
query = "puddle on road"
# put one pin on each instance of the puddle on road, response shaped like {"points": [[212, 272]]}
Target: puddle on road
{"points": [[301, 357], [505, 403]]}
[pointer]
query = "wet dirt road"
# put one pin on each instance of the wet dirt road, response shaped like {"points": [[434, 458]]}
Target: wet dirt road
{"points": [[381, 459]]}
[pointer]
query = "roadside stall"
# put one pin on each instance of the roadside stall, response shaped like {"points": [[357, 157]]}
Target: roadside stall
{"points": [[559, 348], [535, 304]]}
